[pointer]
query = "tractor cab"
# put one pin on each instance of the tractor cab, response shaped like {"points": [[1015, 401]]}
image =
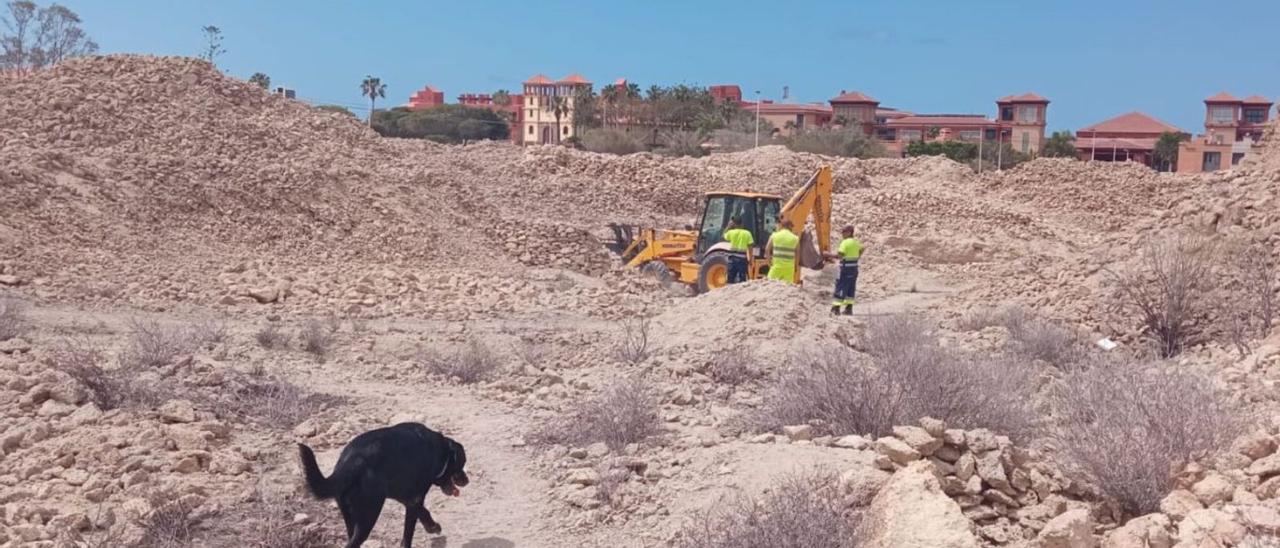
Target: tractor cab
{"points": [[758, 213]]}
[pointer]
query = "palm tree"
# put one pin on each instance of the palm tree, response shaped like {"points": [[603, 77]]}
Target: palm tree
{"points": [[502, 98], [1166, 150], [373, 88], [559, 107], [261, 80]]}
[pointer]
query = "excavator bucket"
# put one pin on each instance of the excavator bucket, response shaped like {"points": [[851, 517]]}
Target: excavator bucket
{"points": [[809, 256], [623, 237]]}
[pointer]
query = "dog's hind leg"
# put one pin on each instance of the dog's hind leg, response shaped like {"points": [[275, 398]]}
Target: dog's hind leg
{"points": [[344, 506], [428, 523], [365, 511]]}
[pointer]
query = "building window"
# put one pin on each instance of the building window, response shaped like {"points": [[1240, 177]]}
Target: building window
{"points": [[1255, 115], [910, 135], [990, 135], [886, 134], [799, 121], [1028, 113], [564, 130], [970, 135], [1236, 157], [1212, 161], [1006, 114], [1026, 142], [1222, 114], [531, 130]]}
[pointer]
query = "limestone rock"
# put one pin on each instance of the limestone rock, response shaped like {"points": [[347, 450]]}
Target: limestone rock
{"points": [[1072, 529], [1214, 488], [177, 411], [897, 450], [1180, 503], [918, 438], [1149, 531], [912, 512], [799, 432], [1207, 527]]}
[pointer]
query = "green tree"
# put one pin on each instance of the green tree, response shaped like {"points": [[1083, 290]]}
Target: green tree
{"points": [[445, 123], [1166, 150], [586, 109], [34, 37], [212, 44], [934, 131], [1059, 145], [559, 107], [959, 151], [849, 143], [502, 98], [261, 80], [373, 88]]}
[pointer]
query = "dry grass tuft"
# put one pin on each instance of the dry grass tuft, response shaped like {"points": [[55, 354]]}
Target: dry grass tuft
{"points": [[623, 412], [271, 402], [272, 337], [316, 337], [1168, 290], [735, 366], [797, 512], [470, 363], [108, 388], [169, 524]]}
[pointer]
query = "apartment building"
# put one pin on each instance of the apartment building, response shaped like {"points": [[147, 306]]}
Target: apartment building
{"points": [[1129, 137], [1232, 129], [544, 99], [1020, 121]]}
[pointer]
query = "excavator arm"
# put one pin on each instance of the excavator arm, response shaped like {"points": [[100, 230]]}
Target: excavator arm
{"points": [[814, 198]]}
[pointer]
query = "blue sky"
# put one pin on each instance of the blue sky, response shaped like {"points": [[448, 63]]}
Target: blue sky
{"points": [[1092, 58]]}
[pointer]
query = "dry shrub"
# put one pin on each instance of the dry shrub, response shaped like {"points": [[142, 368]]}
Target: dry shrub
{"points": [[211, 331], [623, 412], [1043, 340], [1167, 290], [272, 337], [1129, 427], [613, 475], [316, 337], [800, 511], [982, 318], [611, 141], [108, 388], [153, 344], [735, 366], [683, 143], [633, 341], [1246, 309], [13, 318], [470, 363], [272, 402], [912, 377], [170, 523], [532, 354]]}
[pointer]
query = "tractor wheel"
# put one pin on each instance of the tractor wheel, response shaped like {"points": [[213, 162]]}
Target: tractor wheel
{"points": [[713, 273], [659, 271]]}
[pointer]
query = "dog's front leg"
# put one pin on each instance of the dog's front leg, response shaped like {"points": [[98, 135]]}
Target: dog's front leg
{"points": [[410, 522], [427, 522]]}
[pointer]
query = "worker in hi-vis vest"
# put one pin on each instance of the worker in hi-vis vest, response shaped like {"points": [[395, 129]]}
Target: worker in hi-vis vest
{"points": [[848, 253], [740, 242], [781, 251]]}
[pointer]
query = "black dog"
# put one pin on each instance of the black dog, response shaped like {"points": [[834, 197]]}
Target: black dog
{"points": [[399, 462]]}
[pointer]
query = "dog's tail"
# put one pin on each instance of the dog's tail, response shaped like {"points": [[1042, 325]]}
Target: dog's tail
{"points": [[320, 486]]}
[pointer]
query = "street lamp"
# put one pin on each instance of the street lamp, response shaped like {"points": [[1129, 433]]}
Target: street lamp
{"points": [[757, 118]]}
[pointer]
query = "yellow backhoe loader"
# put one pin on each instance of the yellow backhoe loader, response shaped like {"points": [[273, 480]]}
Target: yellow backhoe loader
{"points": [[700, 257]]}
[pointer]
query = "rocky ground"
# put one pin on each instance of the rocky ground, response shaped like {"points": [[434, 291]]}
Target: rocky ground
{"points": [[195, 275]]}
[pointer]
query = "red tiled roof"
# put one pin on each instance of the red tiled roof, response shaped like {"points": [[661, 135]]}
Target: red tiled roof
{"points": [[1024, 98], [574, 79], [1106, 143], [620, 82], [853, 97], [927, 120], [1133, 122], [792, 108], [1257, 100], [1222, 97], [539, 79]]}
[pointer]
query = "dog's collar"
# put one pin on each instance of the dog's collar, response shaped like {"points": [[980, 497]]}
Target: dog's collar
{"points": [[444, 468]]}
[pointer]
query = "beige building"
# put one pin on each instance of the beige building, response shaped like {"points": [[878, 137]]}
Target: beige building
{"points": [[543, 100]]}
